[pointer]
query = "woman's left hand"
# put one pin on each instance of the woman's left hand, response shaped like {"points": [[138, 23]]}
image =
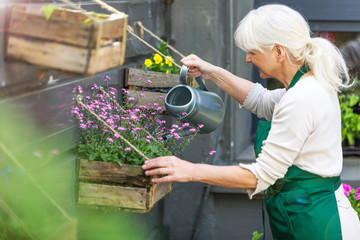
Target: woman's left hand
{"points": [[172, 167]]}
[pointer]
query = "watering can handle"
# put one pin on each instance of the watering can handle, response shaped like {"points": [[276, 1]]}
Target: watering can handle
{"points": [[183, 78]]}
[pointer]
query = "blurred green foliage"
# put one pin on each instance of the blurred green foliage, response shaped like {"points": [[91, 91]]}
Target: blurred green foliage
{"points": [[38, 193]]}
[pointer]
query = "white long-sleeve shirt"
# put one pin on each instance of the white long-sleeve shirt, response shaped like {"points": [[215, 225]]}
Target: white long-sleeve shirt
{"points": [[306, 132]]}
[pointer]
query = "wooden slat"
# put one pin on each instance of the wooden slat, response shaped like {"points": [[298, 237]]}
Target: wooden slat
{"points": [[112, 196], [115, 27], [106, 57], [161, 190], [98, 171], [63, 42], [48, 54], [66, 26], [55, 29], [139, 77], [145, 97]]}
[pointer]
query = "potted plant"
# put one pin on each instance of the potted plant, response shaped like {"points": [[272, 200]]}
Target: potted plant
{"points": [[114, 141], [350, 120], [67, 40], [162, 73]]}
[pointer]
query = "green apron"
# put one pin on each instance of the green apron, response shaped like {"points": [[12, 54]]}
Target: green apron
{"points": [[301, 205]]}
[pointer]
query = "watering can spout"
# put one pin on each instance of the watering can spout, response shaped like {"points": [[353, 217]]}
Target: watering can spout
{"points": [[195, 106]]}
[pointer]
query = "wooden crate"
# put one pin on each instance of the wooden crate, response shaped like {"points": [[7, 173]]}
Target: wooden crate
{"points": [[136, 80], [66, 41], [109, 186]]}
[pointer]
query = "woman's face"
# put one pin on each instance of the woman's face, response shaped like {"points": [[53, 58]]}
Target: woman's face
{"points": [[265, 62]]}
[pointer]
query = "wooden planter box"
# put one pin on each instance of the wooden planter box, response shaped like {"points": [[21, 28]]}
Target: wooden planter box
{"points": [[109, 186], [143, 92], [65, 41]]}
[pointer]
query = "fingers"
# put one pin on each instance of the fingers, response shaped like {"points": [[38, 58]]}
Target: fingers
{"points": [[157, 171], [172, 167], [156, 163], [158, 166], [190, 60], [163, 179]]}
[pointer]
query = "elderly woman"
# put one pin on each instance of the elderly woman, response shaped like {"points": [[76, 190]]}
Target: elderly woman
{"points": [[299, 156]]}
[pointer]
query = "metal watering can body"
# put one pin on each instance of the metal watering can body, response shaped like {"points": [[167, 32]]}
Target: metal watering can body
{"points": [[195, 106]]}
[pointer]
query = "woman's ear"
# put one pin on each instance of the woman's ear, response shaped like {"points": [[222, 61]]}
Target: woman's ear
{"points": [[280, 52]]}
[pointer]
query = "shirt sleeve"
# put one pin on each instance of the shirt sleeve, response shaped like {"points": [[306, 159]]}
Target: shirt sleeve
{"points": [[261, 101], [291, 125]]}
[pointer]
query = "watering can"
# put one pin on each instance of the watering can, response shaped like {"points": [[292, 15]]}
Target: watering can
{"points": [[193, 105]]}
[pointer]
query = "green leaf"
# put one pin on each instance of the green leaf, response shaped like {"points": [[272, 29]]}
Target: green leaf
{"points": [[87, 20], [104, 156], [256, 235], [350, 138], [48, 10]]}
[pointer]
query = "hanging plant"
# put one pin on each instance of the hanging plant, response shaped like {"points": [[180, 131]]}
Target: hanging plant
{"points": [[114, 141]]}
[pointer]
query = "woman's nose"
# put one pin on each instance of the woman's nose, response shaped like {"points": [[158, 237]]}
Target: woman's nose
{"points": [[248, 58]]}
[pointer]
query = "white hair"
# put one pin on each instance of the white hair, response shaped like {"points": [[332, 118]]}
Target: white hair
{"points": [[279, 24]]}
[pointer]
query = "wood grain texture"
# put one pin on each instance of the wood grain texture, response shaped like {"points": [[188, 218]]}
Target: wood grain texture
{"points": [[65, 42], [110, 186], [145, 97], [112, 196], [48, 54], [139, 77], [106, 172]]}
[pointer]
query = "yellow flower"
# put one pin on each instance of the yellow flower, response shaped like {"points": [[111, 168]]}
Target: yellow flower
{"points": [[148, 62], [169, 62], [157, 58], [167, 71]]}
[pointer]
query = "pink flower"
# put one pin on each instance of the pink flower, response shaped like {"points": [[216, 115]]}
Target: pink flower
{"points": [[133, 117], [127, 149], [121, 128], [82, 125], [201, 125], [212, 152], [347, 188], [124, 90], [80, 89], [192, 130], [162, 97], [358, 197], [110, 140], [149, 81], [184, 113], [131, 98], [94, 87]]}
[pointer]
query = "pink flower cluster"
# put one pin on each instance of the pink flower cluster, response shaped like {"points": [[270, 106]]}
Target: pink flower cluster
{"points": [[348, 190], [143, 126]]}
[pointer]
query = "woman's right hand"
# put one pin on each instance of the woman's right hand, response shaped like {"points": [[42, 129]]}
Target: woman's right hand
{"points": [[198, 67]]}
